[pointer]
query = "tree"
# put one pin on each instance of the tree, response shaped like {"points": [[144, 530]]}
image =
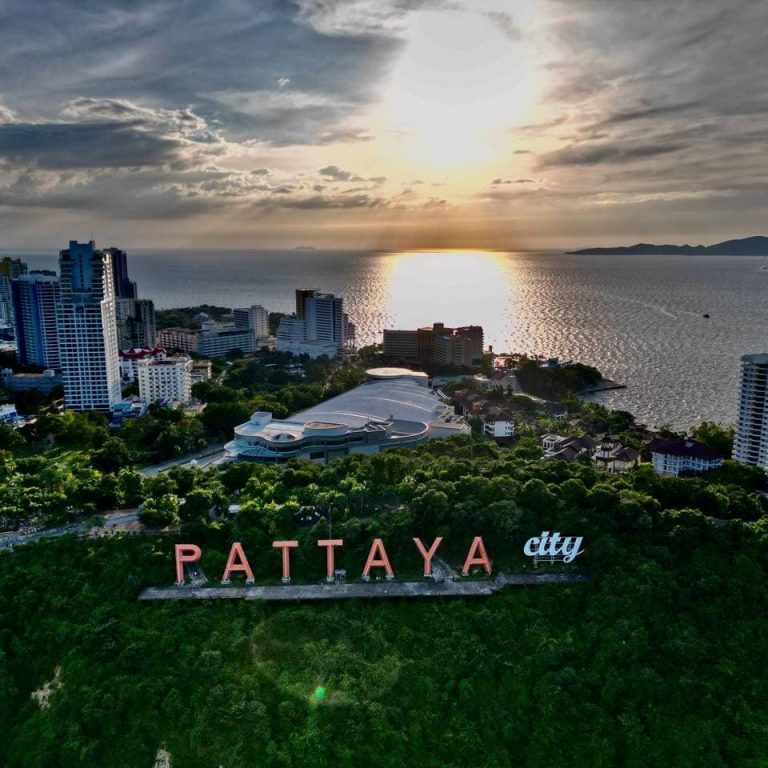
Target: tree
{"points": [[10, 438], [715, 436], [113, 456], [130, 486], [197, 504], [160, 512]]}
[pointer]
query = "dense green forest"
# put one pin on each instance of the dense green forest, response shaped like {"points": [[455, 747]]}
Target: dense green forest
{"points": [[658, 659]]}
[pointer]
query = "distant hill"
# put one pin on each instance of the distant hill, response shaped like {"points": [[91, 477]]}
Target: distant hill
{"points": [[748, 246]]}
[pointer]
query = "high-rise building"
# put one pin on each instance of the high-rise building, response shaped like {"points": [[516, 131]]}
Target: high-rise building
{"points": [[165, 378], [35, 299], [302, 294], [319, 327], [10, 269], [324, 318], [256, 319], [751, 441], [87, 329], [124, 288], [136, 324]]}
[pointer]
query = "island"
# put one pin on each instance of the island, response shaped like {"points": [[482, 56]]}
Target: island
{"points": [[748, 246]]}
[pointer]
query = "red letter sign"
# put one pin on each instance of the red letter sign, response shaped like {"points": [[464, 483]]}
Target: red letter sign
{"points": [[243, 566], [473, 558], [428, 555], [185, 553], [382, 560], [286, 546], [329, 544]]}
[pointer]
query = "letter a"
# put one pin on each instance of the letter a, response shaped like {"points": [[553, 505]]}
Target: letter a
{"points": [[243, 566], [185, 553], [377, 548], [428, 555], [473, 558]]}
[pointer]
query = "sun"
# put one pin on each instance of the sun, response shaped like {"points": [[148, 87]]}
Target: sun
{"points": [[459, 84]]}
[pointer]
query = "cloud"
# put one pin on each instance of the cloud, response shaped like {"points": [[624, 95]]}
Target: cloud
{"points": [[316, 202], [512, 181], [595, 154], [88, 145], [506, 23], [335, 173], [357, 18]]}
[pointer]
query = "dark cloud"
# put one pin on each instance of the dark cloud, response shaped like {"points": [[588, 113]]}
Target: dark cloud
{"points": [[595, 154], [650, 112], [361, 200], [335, 173], [88, 145], [197, 52]]}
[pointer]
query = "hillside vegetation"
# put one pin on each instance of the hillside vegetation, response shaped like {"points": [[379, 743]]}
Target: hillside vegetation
{"points": [[657, 660]]}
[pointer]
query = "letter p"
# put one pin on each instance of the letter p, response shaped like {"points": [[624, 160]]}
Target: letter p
{"points": [[185, 553]]}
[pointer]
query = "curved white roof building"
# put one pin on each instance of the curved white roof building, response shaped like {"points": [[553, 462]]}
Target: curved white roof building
{"points": [[393, 410]]}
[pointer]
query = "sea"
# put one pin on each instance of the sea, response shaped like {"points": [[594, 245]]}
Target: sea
{"points": [[672, 328]]}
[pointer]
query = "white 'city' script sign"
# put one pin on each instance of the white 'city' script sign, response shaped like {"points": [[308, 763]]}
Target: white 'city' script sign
{"points": [[554, 545]]}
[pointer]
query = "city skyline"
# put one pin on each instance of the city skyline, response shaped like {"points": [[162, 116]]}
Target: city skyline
{"points": [[394, 125]]}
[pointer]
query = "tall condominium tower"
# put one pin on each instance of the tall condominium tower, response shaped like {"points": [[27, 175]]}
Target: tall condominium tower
{"points": [[87, 329], [324, 318], [35, 306], [124, 288], [751, 443], [136, 324], [10, 269]]}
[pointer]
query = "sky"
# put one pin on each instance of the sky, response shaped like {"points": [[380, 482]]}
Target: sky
{"points": [[392, 124]]}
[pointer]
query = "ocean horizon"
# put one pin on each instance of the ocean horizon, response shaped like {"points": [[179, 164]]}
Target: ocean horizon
{"points": [[639, 319]]}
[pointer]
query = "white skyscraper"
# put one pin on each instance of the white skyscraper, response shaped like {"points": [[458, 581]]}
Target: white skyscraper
{"points": [[87, 329], [751, 442], [319, 327]]}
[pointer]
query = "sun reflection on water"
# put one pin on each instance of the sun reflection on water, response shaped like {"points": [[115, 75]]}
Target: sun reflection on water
{"points": [[453, 287]]}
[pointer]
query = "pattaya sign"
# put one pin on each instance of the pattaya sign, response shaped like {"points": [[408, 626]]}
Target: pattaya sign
{"points": [[547, 546]]}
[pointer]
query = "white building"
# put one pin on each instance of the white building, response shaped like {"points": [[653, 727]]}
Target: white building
{"points": [[319, 326], [386, 412], [751, 441], [255, 318], [291, 337], [9, 415], [671, 457], [213, 340], [129, 359], [165, 378], [498, 425], [87, 329]]}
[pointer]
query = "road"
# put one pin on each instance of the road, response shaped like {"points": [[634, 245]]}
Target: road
{"points": [[9, 542], [205, 458]]}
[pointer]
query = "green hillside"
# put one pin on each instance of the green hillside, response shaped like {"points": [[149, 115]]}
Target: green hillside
{"points": [[658, 659]]}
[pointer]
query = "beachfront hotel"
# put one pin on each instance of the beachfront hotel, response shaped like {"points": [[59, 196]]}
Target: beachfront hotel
{"points": [[393, 409], [751, 441]]}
